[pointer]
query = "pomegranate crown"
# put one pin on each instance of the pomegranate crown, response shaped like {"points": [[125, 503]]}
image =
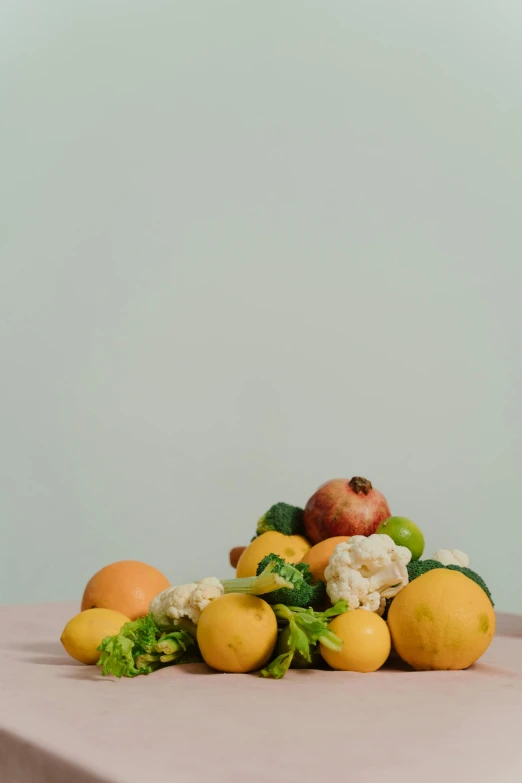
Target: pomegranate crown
{"points": [[359, 484]]}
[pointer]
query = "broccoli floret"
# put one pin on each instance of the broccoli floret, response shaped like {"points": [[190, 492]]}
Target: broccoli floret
{"points": [[282, 518], [304, 594], [474, 576], [419, 567]]}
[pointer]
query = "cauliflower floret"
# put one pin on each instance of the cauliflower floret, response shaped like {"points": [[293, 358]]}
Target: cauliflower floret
{"points": [[371, 553], [451, 557], [366, 570], [188, 600], [206, 590], [349, 585], [162, 604]]}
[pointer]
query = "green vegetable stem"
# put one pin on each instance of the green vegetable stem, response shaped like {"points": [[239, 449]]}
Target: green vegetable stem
{"points": [[270, 578], [307, 629]]}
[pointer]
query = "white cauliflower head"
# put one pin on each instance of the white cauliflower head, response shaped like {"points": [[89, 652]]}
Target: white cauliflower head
{"points": [[366, 570], [451, 557], [188, 600]]}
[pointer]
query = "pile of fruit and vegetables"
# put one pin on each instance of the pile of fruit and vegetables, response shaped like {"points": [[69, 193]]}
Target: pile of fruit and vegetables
{"points": [[341, 584]]}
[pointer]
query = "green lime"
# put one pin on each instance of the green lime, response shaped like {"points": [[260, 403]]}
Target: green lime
{"points": [[405, 533]]}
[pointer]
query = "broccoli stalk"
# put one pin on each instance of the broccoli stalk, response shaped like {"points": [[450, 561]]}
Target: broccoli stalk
{"points": [[301, 592], [141, 647], [270, 578], [307, 630], [283, 518]]}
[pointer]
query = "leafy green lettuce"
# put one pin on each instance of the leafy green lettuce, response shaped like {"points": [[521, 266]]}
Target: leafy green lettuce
{"points": [[141, 647]]}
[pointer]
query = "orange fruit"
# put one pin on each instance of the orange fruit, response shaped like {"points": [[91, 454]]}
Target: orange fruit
{"points": [[366, 642], [237, 633], [291, 548], [127, 586], [441, 620], [319, 555]]}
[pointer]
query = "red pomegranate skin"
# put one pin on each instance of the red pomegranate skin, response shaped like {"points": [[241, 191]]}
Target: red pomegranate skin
{"points": [[336, 509]]}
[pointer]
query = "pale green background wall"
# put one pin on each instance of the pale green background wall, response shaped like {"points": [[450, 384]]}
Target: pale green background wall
{"points": [[247, 247]]}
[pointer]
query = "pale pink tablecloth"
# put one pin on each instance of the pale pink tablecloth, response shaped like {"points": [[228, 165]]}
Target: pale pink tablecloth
{"points": [[60, 722]]}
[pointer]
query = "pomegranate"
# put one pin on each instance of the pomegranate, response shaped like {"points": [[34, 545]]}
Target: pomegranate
{"points": [[344, 508]]}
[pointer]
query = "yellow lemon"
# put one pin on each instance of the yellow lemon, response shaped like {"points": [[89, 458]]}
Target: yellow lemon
{"points": [[292, 548], [237, 633], [82, 635], [441, 620], [366, 642]]}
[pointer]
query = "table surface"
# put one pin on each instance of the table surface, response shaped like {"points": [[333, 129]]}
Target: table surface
{"points": [[61, 721]]}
